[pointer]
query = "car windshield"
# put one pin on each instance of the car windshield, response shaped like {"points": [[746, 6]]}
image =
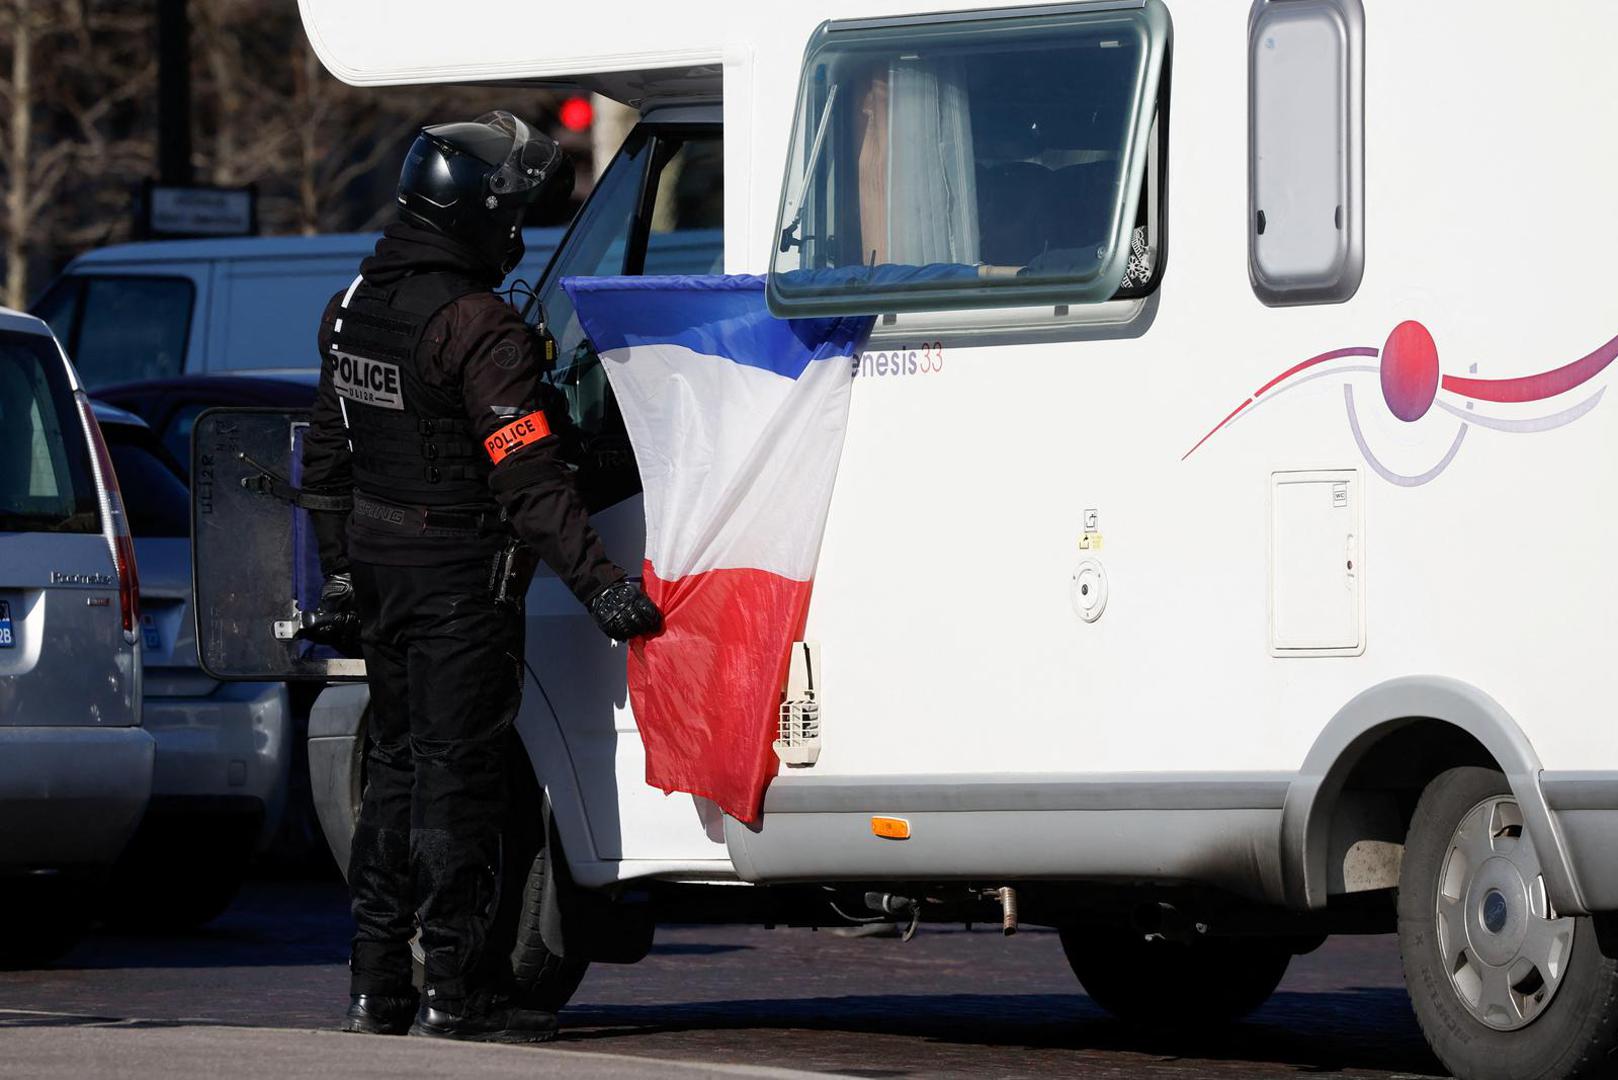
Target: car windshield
{"points": [[131, 328], [158, 502], [45, 480]]}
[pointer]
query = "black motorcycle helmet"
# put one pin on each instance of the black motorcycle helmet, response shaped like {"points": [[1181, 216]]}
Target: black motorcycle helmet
{"points": [[475, 182]]}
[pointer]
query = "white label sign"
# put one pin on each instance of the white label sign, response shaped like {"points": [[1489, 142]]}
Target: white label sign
{"points": [[367, 381], [201, 211]]}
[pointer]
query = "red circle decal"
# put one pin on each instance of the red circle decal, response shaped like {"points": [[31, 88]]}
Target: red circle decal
{"points": [[1410, 371]]}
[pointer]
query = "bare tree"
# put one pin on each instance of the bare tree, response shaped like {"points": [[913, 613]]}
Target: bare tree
{"points": [[75, 86], [220, 53], [79, 132], [18, 93], [322, 153]]}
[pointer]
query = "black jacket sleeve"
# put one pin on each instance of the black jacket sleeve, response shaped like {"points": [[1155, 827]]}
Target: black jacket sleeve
{"points": [[501, 384], [327, 458]]}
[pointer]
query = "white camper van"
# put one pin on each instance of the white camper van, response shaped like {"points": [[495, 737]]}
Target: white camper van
{"points": [[1213, 565]]}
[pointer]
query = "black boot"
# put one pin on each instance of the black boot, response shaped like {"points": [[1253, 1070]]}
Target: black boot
{"points": [[375, 1014], [485, 1018]]}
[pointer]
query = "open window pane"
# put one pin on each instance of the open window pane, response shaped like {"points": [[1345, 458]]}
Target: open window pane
{"points": [[980, 160], [1306, 224], [596, 246], [658, 209], [686, 230]]}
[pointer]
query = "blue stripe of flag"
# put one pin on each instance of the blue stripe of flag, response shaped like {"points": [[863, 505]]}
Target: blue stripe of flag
{"points": [[716, 315]]}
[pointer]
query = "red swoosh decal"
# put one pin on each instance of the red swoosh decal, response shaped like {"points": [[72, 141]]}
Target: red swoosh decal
{"points": [[1335, 354], [1216, 427], [1546, 384]]}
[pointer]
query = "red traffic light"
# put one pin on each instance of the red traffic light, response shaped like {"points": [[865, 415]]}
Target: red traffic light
{"points": [[576, 114]]}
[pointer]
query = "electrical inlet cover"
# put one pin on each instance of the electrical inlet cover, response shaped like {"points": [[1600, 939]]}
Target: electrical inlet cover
{"points": [[1088, 590]]}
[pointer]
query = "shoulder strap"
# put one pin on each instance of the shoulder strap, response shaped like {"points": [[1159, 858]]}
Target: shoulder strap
{"points": [[422, 295]]}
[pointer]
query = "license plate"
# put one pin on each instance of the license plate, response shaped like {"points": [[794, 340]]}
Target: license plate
{"points": [[148, 626], [6, 638]]}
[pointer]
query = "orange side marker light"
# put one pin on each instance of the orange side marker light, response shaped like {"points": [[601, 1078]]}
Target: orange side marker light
{"points": [[890, 828]]}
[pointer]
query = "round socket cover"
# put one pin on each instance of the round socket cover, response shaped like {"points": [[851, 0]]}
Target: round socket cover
{"points": [[1088, 590]]}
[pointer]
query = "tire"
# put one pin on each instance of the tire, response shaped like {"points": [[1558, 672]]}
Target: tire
{"points": [[540, 978], [547, 981], [1500, 989], [1158, 983]]}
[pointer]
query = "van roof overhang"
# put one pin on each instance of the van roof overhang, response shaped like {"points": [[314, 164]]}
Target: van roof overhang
{"points": [[662, 53], [641, 89]]}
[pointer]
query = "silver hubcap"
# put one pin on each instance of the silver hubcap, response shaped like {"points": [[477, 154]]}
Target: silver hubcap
{"points": [[1503, 947]]}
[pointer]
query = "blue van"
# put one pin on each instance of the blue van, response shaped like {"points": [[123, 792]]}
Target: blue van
{"points": [[153, 310]]}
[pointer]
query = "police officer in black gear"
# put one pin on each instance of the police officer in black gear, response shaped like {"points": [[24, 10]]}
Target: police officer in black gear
{"points": [[432, 413]]}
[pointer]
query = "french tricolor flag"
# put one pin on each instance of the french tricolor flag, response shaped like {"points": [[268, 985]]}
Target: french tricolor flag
{"points": [[737, 421]]}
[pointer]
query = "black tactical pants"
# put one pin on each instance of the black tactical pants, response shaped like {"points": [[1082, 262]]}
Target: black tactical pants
{"points": [[445, 667]]}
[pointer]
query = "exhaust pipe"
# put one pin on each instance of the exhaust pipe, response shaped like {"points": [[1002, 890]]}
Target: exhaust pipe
{"points": [[1008, 910]]}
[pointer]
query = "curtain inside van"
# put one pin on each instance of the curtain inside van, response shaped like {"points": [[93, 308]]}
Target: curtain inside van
{"points": [[916, 166]]}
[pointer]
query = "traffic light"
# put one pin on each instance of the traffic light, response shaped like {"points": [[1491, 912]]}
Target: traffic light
{"points": [[576, 114]]}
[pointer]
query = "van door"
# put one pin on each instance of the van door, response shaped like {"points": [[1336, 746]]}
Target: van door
{"points": [[658, 209]]}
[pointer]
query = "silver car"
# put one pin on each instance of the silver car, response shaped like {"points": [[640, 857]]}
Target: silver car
{"points": [[75, 765], [223, 748]]}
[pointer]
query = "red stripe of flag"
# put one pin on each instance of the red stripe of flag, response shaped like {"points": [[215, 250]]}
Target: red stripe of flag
{"points": [[707, 690]]}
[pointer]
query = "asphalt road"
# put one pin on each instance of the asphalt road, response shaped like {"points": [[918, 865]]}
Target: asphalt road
{"points": [[727, 1001]]}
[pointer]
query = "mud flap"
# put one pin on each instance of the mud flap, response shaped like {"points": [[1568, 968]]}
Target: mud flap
{"points": [[255, 567], [585, 924]]}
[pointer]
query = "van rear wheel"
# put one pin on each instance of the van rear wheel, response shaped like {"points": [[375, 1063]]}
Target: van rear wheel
{"points": [[1160, 983], [1502, 986], [538, 977]]}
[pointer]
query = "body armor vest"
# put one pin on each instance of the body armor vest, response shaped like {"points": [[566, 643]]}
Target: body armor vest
{"points": [[412, 443]]}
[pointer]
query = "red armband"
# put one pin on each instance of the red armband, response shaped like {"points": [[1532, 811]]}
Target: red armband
{"points": [[516, 435]]}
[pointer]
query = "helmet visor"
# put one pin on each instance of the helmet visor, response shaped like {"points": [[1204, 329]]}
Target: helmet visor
{"points": [[532, 160]]}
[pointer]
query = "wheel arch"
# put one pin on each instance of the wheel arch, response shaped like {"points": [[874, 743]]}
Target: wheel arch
{"points": [[336, 724], [1464, 721], [552, 762]]}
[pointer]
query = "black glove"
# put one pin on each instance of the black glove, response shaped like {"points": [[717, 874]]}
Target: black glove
{"points": [[336, 621], [623, 611]]}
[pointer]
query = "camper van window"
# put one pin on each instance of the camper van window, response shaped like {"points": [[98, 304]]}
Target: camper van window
{"points": [[1306, 223], [131, 328], [986, 160]]}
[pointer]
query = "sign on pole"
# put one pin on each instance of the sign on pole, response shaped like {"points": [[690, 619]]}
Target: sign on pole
{"points": [[171, 211]]}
